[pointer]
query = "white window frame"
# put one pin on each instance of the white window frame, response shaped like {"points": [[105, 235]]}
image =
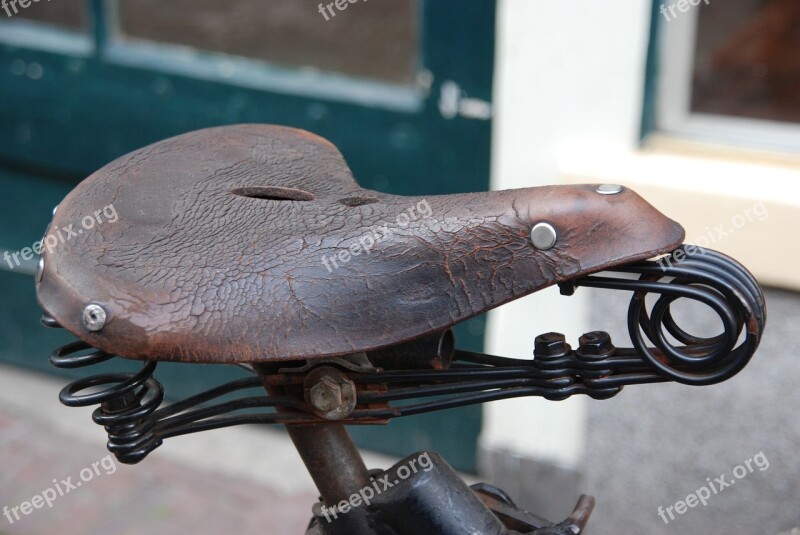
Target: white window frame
{"points": [[673, 100]]}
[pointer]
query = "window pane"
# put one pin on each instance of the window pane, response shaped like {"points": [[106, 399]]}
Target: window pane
{"points": [[370, 39], [70, 14], [747, 59]]}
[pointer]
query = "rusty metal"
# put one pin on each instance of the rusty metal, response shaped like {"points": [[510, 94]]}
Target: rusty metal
{"points": [[336, 467], [329, 393], [332, 460], [522, 521], [357, 362], [579, 517], [329, 455]]}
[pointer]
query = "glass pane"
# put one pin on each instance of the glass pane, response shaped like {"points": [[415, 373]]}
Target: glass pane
{"points": [[747, 59], [70, 14], [376, 40]]}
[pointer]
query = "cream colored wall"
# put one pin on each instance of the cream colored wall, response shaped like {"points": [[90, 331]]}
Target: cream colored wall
{"points": [[568, 74], [746, 205], [568, 99]]}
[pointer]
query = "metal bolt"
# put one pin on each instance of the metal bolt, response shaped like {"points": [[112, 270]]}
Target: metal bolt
{"points": [[40, 269], [550, 345], [330, 394], [595, 344], [325, 395], [543, 236], [609, 189], [94, 317]]}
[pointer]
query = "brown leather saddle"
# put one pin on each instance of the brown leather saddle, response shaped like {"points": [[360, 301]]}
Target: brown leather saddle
{"points": [[254, 243]]}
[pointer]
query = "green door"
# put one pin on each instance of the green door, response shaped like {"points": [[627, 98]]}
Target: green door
{"points": [[402, 88]]}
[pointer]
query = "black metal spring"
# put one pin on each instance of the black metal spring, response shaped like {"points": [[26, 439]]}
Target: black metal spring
{"points": [[710, 278], [130, 403], [127, 401]]}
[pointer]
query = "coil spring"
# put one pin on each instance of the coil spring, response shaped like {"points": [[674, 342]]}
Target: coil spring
{"points": [[127, 399], [710, 278]]}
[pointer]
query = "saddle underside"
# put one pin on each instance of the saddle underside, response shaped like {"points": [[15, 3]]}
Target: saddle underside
{"points": [[254, 243]]}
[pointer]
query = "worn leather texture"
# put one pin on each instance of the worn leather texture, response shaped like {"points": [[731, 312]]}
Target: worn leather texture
{"points": [[254, 243]]}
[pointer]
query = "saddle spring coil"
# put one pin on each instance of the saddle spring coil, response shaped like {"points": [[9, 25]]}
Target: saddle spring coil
{"points": [[710, 278], [130, 403], [127, 400]]}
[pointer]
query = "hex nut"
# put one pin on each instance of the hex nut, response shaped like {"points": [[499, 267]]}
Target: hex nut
{"points": [[595, 344], [550, 345], [325, 395], [329, 393]]}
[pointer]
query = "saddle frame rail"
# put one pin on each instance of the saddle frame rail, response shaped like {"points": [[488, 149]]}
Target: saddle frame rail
{"points": [[315, 399]]}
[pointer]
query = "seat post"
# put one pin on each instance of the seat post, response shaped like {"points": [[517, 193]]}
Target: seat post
{"points": [[327, 450], [335, 465], [332, 460]]}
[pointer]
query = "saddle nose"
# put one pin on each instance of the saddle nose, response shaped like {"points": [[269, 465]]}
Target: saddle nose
{"points": [[560, 231], [254, 243]]}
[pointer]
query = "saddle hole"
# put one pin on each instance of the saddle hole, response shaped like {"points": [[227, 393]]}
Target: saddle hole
{"points": [[357, 201], [273, 193]]}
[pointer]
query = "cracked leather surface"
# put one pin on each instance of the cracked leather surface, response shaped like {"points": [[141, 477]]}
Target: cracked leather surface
{"points": [[250, 243]]}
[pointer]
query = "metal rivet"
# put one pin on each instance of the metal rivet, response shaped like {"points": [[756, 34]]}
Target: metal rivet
{"points": [[609, 189], [40, 269], [94, 317], [543, 236]]}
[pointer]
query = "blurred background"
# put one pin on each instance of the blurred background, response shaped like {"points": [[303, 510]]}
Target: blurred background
{"points": [[696, 107]]}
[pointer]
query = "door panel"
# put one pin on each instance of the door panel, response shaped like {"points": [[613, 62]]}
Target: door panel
{"points": [[410, 116]]}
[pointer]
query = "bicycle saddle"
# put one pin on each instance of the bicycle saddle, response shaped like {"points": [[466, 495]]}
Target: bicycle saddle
{"points": [[254, 243]]}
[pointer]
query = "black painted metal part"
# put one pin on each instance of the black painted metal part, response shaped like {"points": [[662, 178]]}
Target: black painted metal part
{"points": [[422, 494], [435, 377]]}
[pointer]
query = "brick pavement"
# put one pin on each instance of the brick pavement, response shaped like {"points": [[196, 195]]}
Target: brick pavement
{"points": [[157, 496]]}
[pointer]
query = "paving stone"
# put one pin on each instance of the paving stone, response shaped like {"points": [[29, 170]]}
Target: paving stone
{"points": [[153, 497]]}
